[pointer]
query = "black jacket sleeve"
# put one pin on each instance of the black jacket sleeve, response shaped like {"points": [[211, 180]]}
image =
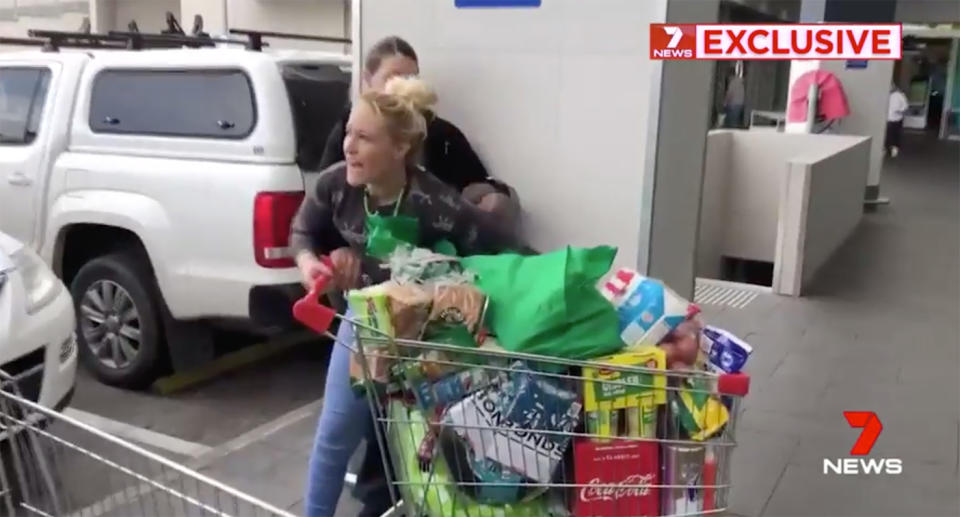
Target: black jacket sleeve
{"points": [[450, 156], [312, 228]]}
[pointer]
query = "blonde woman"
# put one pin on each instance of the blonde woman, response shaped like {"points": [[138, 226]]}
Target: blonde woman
{"points": [[446, 153], [374, 199]]}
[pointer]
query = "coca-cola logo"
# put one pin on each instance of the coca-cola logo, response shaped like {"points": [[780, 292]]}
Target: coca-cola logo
{"points": [[632, 486]]}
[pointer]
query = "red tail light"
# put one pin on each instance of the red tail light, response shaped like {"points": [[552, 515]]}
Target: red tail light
{"points": [[273, 213]]}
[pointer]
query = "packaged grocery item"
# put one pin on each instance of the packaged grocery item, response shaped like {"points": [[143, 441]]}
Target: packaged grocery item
{"points": [[682, 467], [616, 479], [483, 479], [682, 346], [449, 389], [457, 305], [700, 413], [379, 360], [432, 492], [371, 307], [497, 422], [409, 306], [725, 352], [608, 390], [647, 309]]}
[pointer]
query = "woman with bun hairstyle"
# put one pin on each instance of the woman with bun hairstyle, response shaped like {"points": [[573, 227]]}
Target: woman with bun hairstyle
{"points": [[374, 199], [446, 152]]}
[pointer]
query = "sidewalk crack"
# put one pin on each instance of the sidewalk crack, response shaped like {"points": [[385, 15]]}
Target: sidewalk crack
{"points": [[786, 464]]}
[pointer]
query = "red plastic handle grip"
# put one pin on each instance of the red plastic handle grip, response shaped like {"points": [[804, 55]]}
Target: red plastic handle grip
{"points": [[309, 311], [736, 384]]}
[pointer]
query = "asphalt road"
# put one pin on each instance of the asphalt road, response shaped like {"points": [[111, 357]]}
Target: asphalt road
{"points": [[220, 409]]}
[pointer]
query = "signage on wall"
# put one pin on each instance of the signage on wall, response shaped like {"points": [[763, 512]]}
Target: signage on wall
{"points": [[497, 3], [856, 63]]}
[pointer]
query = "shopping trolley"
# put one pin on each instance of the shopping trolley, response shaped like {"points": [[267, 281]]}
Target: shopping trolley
{"points": [[53, 465], [485, 432]]}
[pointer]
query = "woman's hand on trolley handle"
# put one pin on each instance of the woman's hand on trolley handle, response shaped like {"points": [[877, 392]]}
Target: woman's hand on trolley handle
{"points": [[346, 268], [342, 266]]}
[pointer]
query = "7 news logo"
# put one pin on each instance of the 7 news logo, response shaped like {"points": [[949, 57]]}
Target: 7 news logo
{"points": [[672, 41], [871, 425]]}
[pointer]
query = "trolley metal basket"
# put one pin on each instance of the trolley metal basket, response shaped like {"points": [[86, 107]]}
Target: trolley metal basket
{"points": [[54, 465], [485, 432]]}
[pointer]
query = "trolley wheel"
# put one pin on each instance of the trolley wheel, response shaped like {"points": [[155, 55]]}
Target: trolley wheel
{"points": [[119, 327]]}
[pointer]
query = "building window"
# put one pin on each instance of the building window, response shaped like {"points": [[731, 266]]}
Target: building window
{"points": [[23, 92], [182, 103]]}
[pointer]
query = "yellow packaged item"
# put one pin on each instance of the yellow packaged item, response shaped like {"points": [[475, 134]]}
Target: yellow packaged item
{"points": [[371, 307], [607, 390], [625, 389]]}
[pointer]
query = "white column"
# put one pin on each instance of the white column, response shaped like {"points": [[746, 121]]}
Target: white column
{"points": [[673, 208]]}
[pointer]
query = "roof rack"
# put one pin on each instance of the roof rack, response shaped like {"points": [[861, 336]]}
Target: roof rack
{"points": [[256, 37], [115, 40], [133, 39]]}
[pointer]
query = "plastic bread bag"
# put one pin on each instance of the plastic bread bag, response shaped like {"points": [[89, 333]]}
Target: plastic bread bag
{"points": [[409, 306], [455, 315], [455, 304]]}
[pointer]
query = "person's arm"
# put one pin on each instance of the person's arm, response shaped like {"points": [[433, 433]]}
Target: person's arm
{"points": [[445, 215], [904, 104], [333, 149], [313, 222]]}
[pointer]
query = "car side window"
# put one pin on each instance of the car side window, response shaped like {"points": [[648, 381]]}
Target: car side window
{"points": [[182, 103], [23, 93]]}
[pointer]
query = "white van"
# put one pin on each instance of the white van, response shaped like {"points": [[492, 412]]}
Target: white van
{"points": [[168, 178]]}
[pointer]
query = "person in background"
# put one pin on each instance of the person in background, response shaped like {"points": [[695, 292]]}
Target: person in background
{"points": [[446, 152], [383, 136], [734, 101], [896, 109]]}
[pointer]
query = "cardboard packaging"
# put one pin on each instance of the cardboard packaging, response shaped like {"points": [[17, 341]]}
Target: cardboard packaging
{"points": [[613, 478]]}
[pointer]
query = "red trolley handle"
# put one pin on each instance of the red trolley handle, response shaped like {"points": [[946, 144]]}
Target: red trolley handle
{"points": [[309, 311]]}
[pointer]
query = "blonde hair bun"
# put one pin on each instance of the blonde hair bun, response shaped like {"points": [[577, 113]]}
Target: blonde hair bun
{"points": [[412, 90]]}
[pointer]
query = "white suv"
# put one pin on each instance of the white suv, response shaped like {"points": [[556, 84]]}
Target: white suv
{"points": [[160, 186], [37, 345]]}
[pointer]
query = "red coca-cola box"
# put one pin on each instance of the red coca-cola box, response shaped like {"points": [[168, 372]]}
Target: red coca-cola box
{"points": [[612, 478]]}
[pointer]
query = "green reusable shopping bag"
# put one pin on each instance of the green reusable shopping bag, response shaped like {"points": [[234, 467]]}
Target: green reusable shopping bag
{"points": [[549, 304], [385, 233]]}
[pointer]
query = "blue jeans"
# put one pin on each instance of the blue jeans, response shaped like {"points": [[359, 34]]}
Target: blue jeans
{"points": [[344, 422]]}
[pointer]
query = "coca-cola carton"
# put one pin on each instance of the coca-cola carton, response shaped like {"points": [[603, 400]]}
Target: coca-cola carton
{"points": [[613, 478]]}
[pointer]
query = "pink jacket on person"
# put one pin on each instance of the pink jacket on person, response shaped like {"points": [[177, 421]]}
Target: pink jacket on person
{"points": [[833, 101]]}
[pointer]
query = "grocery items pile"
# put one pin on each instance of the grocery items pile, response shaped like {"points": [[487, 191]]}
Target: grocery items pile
{"points": [[546, 385]]}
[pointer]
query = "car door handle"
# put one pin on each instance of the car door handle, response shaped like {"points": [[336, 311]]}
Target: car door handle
{"points": [[19, 179]]}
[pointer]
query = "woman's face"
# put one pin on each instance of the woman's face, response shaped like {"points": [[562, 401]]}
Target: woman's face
{"points": [[369, 150], [391, 66]]}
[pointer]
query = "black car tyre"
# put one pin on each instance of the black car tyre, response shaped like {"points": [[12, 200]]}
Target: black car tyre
{"points": [[119, 325]]}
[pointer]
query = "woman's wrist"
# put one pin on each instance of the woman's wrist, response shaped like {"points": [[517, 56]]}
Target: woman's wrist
{"points": [[304, 256]]}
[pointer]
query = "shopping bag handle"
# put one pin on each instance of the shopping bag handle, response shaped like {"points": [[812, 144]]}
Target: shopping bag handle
{"points": [[309, 311]]}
